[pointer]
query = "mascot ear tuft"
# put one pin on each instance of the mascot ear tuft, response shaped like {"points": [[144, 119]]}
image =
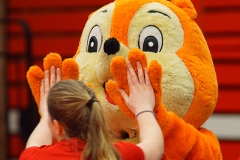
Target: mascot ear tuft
{"points": [[187, 6]]}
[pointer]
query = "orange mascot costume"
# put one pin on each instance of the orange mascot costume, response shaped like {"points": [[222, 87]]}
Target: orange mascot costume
{"points": [[164, 37]]}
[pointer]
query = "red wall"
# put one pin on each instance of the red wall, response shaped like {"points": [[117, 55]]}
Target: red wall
{"points": [[57, 25], [220, 23]]}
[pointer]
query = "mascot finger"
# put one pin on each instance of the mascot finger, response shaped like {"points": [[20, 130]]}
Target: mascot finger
{"points": [[137, 55], [155, 76], [34, 77], [52, 59], [115, 95], [118, 68], [70, 69]]}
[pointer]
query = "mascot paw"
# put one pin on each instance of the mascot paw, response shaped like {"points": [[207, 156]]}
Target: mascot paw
{"points": [[69, 69]]}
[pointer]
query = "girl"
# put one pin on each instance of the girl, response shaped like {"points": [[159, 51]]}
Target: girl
{"points": [[74, 117]]}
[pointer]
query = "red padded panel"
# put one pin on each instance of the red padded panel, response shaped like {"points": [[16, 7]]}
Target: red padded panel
{"points": [[38, 62], [228, 101], [24, 96], [55, 3], [12, 97], [221, 22], [16, 70], [230, 150], [15, 27], [225, 47], [228, 74], [56, 21], [66, 46], [198, 6], [16, 145], [11, 71], [221, 3], [16, 46], [17, 86], [18, 97]]}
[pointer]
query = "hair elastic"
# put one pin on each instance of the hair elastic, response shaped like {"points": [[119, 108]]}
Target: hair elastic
{"points": [[144, 112], [90, 102]]}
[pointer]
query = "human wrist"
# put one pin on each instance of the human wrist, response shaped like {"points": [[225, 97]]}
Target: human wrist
{"points": [[44, 114]]}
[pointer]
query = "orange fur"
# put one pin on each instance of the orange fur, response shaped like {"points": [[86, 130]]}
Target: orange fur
{"points": [[34, 77], [70, 69], [198, 59]]}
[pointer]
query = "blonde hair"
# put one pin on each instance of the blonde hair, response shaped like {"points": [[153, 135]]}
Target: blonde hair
{"points": [[67, 103]]}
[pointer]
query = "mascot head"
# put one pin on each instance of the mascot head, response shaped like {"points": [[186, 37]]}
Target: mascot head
{"points": [[165, 31]]}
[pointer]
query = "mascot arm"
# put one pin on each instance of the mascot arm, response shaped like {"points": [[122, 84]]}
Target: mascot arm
{"points": [[190, 142], [69, 69]]}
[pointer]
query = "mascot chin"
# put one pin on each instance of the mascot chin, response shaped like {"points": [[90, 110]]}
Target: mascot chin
{"points": [[164, 37]]}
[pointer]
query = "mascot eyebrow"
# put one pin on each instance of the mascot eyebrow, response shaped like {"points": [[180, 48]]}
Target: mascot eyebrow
{"points": [[153, 11], [104, 11]]}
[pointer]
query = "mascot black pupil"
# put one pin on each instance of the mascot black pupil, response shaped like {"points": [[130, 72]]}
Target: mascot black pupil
{"points": [[150, 44], [92, 45]]}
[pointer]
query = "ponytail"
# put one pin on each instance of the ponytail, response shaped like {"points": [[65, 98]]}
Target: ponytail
{"points": [[98, 145]]}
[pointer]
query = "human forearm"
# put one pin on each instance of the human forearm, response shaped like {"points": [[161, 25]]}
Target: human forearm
{"points": [[151, 138], [141, 102], [41, 134]]}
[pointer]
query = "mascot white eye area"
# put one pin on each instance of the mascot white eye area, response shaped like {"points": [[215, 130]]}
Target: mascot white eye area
{"points": [[150, 39], [94, 40]]}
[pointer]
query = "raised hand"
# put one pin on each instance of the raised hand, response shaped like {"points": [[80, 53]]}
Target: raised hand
{"points": [[141, 97], [46, 84], [69, 70]]}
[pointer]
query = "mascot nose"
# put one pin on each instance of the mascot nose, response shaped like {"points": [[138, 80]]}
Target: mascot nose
{"points": [[111, 46]]}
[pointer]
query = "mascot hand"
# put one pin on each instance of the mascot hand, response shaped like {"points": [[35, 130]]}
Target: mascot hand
{"points": [[119, 70], [69, 69]]}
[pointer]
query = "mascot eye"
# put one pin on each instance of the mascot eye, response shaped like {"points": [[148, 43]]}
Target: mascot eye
{"points": [[150, 39], [94, 40]]}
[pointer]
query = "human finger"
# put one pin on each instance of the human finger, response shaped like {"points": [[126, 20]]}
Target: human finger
{"points": [[124, 95], [52, 77], [46, 81], [140, 73], [147, 79], [42, 89], [132, 74], [130, 83], [59, 78]]}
